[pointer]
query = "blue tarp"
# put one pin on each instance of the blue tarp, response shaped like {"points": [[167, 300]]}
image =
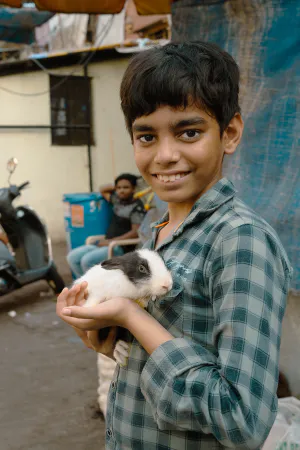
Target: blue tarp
{"points": [[264, 38], [17, 25]]}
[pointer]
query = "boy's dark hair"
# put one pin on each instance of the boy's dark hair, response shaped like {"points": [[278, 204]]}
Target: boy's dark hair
{"points": [[127, 176], [179, 75]]}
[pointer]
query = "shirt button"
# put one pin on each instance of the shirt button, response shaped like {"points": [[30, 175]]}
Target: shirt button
{"points": [[113, 385], [109, 432]]}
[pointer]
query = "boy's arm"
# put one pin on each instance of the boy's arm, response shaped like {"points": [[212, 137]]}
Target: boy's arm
{"points": [[230, 394], [106, 191], [132, 234]]}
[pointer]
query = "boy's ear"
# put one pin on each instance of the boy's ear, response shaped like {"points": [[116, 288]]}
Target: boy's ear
{"points": [[233, 134]]}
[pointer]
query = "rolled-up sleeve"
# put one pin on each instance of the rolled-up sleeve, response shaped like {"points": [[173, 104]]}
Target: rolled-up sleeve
{"points": [[231, 393]]}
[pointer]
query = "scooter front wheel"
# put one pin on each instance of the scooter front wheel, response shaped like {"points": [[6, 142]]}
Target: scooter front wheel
{"points": [[7, 286], [54, 280]]}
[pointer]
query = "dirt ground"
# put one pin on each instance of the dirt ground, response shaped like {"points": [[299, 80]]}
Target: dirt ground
{"points": [[48, 379]]}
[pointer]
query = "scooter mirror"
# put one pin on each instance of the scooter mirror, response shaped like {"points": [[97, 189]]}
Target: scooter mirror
{"points": [[11, 167], [12, 164]]}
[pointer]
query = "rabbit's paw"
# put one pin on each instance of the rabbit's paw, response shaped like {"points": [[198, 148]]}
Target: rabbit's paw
{"points": [[121, 352], [142, 302]]}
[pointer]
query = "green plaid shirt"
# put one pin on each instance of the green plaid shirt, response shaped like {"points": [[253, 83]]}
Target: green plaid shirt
{"points": [[214, 385]]}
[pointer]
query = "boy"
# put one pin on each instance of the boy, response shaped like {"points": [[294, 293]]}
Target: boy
{"points": [[203, 366], [128, 214]]}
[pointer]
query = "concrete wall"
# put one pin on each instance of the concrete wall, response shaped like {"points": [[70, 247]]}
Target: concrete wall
{"points": [[290, 348], [55, 170], [113, 152]]}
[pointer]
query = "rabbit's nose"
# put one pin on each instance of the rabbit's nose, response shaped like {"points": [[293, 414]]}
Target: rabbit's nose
{"points": [[167, 286]]}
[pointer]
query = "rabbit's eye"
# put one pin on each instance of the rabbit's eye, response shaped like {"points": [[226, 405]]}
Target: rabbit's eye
{"points": [[142, 268]]}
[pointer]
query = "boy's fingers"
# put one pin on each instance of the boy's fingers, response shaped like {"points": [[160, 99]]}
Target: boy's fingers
{"points": [[61, 300], [82, 324], [83, 295], [82, 313], [66, 299], [83, 336], [93, 339], [80, 299], [71, 298]]}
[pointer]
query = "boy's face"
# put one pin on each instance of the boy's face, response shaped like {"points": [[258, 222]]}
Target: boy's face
{"points": [[124, 189], [180, 152]]}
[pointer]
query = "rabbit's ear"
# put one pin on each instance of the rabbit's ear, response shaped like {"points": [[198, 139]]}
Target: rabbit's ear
{"points": [[134, 267], [114, 263]]}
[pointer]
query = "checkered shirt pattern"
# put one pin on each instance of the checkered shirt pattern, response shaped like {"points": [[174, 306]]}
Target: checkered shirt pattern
{"points": [[214, 385]]}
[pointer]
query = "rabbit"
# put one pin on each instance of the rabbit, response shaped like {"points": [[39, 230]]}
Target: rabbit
{"points": [[140, 275]]}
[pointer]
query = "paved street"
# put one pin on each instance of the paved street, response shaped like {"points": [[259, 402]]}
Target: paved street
{"points": [[48, 379]]}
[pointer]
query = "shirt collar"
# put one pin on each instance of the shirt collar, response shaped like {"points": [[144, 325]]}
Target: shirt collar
{"points": [[126, 201], [209, 202]]}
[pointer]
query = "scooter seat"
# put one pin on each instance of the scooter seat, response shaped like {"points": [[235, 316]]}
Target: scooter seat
{"points": [[32, 275]]}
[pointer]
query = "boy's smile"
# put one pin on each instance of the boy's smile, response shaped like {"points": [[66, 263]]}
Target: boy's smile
{"points": [[170, 177], [179, 152]]}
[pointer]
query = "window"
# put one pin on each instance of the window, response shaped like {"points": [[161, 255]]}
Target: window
{"points": [[70, 100]]}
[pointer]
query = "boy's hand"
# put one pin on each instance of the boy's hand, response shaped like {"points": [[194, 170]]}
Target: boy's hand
{"points": [[116, 312], [103, 243], [75, 296], [113, 312], [105, 347]]}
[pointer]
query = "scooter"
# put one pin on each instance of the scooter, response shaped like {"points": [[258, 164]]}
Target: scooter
{"points": [[29, 241]]}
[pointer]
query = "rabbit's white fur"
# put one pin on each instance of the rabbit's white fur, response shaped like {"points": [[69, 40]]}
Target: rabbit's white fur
{"points": [[105, 284]]}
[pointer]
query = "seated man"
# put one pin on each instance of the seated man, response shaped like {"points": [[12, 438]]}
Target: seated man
{"points": [[128, 214]]}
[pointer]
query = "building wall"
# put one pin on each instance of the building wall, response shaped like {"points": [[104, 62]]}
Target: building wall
{"points": [[55, 170], [113, 152]]}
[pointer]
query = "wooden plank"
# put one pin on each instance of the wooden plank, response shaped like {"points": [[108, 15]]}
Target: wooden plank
{"points": [[147, 7], [144, 7], [81, 6], [12, 3]]}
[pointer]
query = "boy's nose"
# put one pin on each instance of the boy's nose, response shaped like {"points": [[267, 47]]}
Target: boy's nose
{"points": [[166, 153]]}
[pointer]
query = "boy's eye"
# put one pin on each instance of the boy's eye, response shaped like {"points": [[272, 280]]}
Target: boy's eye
{"points": [[146, 138], [190, 134]]}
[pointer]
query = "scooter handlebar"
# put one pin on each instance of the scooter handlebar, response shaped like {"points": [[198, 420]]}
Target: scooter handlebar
{"points": [[23, 185]]}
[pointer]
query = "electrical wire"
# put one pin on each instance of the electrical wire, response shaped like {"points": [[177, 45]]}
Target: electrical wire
{"points": [[83, 61], [107, 26]]}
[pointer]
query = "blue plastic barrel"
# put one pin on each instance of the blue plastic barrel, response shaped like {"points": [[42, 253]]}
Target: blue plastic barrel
{"points": [[85, 215]]}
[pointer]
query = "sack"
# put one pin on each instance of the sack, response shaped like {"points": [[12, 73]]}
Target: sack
{"points": [[285, 434]]}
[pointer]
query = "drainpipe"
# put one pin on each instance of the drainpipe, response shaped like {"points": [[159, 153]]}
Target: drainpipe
{"points": [[89, 146]]}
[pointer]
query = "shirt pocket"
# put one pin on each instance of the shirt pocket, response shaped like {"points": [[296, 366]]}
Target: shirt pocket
{"points": [[168, 310]]}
